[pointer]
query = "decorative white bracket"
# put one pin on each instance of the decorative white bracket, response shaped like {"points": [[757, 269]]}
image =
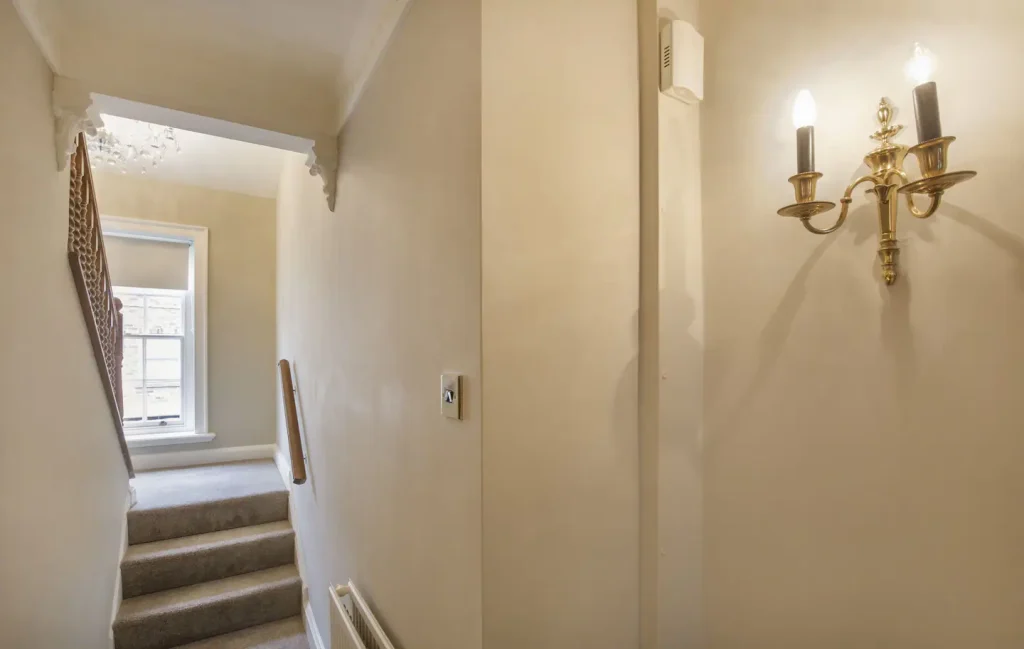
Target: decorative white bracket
{"points": [[322, 161], [73, 113]]}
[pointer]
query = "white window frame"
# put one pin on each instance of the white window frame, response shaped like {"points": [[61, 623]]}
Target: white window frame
{"points": [[195, 422], [186, 422]]}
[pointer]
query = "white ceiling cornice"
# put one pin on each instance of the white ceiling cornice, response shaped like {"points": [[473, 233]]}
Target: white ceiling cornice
{"points": [[321, 151], [195, 159], [298, 72]]}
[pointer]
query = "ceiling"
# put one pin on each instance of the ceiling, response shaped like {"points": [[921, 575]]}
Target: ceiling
{"points": [[205, 160], [291, 66], [312, 33]]}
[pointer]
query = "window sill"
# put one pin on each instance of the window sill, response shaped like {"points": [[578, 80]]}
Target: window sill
{"points": [[144, 440]]}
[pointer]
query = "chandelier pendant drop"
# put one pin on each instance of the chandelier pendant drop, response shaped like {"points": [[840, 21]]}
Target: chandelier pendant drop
{"points": [[141, 148]]}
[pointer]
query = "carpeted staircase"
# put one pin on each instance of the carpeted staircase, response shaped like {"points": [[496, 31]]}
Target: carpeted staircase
{"points": [[211, 561]]}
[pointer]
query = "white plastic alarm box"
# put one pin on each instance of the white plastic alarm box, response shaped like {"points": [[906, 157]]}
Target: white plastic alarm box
{"points": [[682, 62]]}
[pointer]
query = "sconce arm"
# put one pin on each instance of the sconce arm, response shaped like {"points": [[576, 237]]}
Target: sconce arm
{"points": [[838, 224], [844, 212], [932, 207]]}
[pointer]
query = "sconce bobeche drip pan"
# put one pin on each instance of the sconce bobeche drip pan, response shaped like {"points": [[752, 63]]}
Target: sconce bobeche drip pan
{"points": [[887, 176]]}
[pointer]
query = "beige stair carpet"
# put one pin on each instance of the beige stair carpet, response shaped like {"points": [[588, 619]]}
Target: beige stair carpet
{"points": [[211, 561], [198, 500], [286, 634], [172, 563]]}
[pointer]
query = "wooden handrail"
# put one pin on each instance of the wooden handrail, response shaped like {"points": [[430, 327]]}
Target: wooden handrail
{"points": [[88, 260], [291, 417]]}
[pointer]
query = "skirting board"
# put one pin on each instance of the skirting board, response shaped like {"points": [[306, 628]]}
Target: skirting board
{"points": [[129, 502], [284, 468], [312, 630], [153, 461], [316, 641]]}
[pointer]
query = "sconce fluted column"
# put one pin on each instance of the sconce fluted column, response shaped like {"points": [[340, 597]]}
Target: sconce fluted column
{"points": [[888, 246]]}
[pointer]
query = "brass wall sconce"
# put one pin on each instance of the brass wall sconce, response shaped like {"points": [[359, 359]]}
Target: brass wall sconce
{"points": [[887, 177]]}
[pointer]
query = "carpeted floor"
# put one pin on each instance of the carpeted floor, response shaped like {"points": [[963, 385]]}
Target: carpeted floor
{"points": [[211, 561], [201, 484]]}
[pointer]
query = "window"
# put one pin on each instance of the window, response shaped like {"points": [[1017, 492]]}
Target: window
{"points": [[159, 273], [154, 377]]}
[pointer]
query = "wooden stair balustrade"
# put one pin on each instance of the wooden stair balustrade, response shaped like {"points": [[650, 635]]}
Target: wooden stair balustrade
{"points": [[102, 311]]}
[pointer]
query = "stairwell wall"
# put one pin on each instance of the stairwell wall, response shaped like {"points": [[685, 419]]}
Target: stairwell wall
{"points": [[63, 482], [863, 456], [375, 300], [487, 221], [560, 242]]}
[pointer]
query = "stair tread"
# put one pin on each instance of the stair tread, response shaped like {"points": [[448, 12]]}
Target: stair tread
{"points": [[185, 598], [200, 542], [200, 485], [289, 633], [176, 503]]}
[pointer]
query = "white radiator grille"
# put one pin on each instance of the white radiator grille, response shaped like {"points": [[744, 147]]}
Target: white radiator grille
{"points": [[353, 625]]}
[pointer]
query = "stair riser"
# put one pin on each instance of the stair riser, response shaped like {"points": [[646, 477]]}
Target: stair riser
{"points": [[225, 616], [286, 634], [164, 573], [146, 526]]}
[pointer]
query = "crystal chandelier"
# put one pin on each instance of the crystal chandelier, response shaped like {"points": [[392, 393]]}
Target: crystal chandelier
{"points": [[140, 148]]}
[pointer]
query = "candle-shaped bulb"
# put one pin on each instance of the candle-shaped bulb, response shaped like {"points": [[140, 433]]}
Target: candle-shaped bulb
{"points": [[805, 112], [921, 66], [804, 115]]}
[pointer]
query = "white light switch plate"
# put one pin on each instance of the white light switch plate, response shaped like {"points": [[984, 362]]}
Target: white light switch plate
{"points": [[451, 396]]}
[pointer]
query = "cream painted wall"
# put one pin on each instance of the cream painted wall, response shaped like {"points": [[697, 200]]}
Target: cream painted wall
{"points": [[864, 449], [375, 302], [241, 297], [411, 278], [560, 246], [61, 472]]}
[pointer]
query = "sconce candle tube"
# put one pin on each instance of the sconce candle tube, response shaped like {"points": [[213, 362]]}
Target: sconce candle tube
{"points": [[926, 110], [804, 149]]}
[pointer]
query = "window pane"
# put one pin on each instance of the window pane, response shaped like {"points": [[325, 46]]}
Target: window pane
{"points": [[164, 316], [163, 359], [131, 370], [134, 313], [153, 370], [132, 401], [163, 401]]}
